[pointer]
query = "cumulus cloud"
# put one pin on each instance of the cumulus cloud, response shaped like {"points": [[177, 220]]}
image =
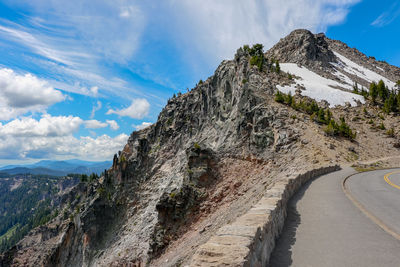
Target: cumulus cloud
{"points": [[95, 124], [138, 109], [113, 124], [53, 137], [47, 126], [20, 94], [142, 126]]}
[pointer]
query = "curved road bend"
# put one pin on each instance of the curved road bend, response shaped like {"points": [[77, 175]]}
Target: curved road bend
{"points": [[324, 228]]}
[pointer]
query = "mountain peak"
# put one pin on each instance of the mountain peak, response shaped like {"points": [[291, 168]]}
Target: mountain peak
{"points": [[215, 150], [303, 47]]}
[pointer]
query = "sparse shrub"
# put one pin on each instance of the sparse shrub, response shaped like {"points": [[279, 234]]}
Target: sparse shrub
{"points": [[288, 99], [196, 146], [84, 178], [390, 132], [330, 129], [318, 114], [277, 67], [345, 131], [257, 56], [101, 190], [279, 97], [381, 126], [244, 81]]}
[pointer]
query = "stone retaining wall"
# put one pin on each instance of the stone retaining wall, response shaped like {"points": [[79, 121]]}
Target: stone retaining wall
{"points": [[250, 240]]}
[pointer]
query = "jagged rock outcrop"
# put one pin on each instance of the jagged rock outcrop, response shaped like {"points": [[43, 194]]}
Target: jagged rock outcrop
{"points": [[304, 48], [176, 174], [317, 53]]}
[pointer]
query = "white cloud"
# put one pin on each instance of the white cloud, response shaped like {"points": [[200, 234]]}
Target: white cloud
{"points": [[105, 28], [47, 126], [217, 28], [52, 137], [40, 47], [95, 108], [95, 124], [94, 90], [388, 16], [142, 126], [77, 38], [94, 35], [138, 109], [113, 124], [20, 94]]}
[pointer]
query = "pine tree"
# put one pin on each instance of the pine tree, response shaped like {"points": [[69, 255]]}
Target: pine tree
{"points": [[373, 92], [390, 104], [383, 91], [279, 97], [277, 67]]}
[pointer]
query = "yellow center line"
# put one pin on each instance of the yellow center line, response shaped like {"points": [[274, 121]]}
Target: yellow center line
{"points": [[386, 177]]}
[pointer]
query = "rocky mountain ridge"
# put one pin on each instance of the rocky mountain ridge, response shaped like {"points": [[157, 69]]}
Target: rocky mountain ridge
{"points": [[211, 154]]}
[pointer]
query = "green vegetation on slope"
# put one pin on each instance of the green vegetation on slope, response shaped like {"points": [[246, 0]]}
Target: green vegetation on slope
{"points": [[27, 201], [387, 100], [317, 114]]}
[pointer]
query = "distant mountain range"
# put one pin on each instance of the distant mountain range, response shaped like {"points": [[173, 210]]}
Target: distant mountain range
{"points": [[58, 168]]}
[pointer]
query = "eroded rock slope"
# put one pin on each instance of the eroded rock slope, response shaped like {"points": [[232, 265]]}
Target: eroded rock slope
{"points": [[211, 154]]}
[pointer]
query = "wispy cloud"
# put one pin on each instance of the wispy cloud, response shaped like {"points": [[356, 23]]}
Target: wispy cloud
{"points": [[83, 40], [95, 108], [388, 16], [217, 28], [77, 40]]}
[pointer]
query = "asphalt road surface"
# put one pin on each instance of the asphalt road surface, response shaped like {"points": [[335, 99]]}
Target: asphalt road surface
{"points": [[325, 228]]}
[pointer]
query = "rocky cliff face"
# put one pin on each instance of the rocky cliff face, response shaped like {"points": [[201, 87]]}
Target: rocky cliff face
{"points": [[304, 48], [212, 153]]}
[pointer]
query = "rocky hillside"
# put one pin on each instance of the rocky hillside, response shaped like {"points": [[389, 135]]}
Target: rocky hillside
{"points": [[213, 152]]}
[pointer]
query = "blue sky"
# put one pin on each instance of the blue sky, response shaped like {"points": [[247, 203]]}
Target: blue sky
{"points": [[78, 76]]}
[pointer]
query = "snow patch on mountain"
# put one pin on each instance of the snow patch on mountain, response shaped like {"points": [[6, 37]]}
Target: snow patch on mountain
{"points": [[353, 68], [318, 87]]}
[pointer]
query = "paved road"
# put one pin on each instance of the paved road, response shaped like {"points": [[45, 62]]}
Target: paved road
{"points": [[379, 193], [324, 228]]}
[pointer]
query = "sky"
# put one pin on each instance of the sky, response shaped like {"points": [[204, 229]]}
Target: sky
{"points": [[78, 76]]}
